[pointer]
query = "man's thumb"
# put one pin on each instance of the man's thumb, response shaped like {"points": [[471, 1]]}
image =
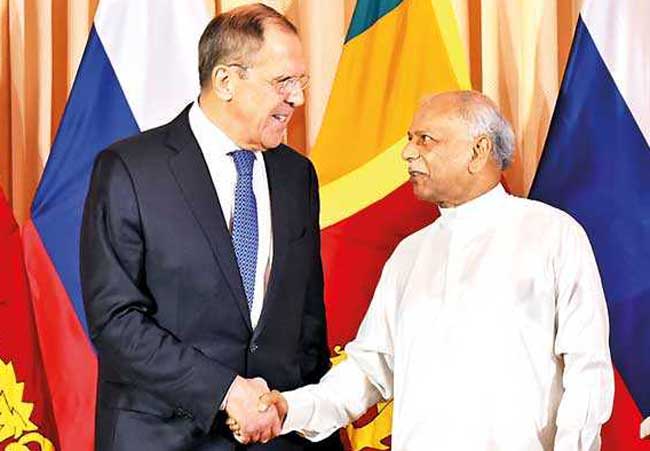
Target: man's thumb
{"points": [[266, 401]]}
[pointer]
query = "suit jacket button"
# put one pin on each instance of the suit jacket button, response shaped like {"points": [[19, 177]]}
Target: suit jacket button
{"points": [[253, 348], [180, 412]]}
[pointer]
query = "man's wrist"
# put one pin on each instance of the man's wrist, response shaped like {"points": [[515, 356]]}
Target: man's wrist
{"points": [[300, 410], [224, 401]]}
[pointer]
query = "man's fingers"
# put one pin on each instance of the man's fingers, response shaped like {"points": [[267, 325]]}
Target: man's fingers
{"points": [[268, 399], [255, 437], [266, 436], [240, 438], [261, 426], [277, 428], [274, 428], [263, 405], [275, 399], [233, 424]]}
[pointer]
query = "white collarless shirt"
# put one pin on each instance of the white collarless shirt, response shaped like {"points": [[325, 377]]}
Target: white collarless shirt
{"points": [[215, 146], [488, 328]]}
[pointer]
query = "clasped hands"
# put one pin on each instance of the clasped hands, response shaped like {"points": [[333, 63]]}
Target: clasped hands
{"points": [[255, 414]]}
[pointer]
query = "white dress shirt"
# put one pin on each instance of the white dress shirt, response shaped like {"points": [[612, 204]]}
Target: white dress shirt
{"points": [[215, 146], [489, 329]]}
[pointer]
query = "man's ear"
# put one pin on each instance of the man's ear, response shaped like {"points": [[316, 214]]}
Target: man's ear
{"points": [[222, 83], [481, 153]]}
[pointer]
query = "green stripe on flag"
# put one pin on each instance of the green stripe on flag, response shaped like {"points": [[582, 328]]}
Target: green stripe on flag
{"points": [[366, 13]]}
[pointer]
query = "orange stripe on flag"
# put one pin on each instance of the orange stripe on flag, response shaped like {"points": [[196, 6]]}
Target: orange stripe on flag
{"points": [[382, 75]]}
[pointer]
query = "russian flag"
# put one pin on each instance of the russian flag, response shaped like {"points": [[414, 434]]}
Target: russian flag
{"points": [[596, 166], [139, 69]]}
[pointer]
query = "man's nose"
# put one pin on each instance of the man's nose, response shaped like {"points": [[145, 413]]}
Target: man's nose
{"points": [[409, 153], [296, 98]]}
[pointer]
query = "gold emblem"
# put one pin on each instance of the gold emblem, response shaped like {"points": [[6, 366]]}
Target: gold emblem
{"points": [[15, 423]]}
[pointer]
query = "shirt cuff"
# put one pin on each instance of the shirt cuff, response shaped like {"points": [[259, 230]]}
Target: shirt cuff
{"points": [[645, 429], [585, 439], [224, 402], [300, 411]]}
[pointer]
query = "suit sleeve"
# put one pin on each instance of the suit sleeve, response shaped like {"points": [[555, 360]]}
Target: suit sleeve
{"points": [[315, 352], [120, 309]]}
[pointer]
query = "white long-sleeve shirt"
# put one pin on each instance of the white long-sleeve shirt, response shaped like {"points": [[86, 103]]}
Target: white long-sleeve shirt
{"points": [[489, 329], [215, 146]]}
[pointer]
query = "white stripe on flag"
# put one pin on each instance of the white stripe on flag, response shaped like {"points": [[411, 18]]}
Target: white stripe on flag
{"points": [[621, 31], [158, 75]]}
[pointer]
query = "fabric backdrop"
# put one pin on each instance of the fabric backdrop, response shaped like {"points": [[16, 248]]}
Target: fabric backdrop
{"points": [[369, 60], [516, 53]]}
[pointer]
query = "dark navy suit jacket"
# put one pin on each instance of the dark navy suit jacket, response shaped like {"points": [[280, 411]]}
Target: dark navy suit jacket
{"points": [[164, 299]]}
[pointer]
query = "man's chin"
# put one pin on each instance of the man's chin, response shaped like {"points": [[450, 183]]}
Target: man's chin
{"points": [[422, 195], [272, 142], [417, 193]]}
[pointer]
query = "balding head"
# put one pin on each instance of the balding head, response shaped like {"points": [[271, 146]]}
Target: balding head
{"points": [[458, 145], [482, 117]]}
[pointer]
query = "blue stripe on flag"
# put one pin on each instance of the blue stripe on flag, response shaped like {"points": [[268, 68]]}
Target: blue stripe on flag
{"points": [[596, 166], [96, 115]]}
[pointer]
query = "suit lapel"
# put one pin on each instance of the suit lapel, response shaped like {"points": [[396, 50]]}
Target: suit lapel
{"points": [[279, 217], [191, 173]]}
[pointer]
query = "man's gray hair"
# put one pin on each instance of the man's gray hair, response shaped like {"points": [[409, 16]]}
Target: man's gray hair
{"points": [[235, 36], [483, 118]]}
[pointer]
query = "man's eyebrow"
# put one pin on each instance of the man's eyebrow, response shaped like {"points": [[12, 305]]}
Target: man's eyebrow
{"points": [[422, 132]]}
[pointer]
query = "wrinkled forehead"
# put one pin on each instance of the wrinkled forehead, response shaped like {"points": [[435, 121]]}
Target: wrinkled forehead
{"points": [[438, 115], [281, 48]]}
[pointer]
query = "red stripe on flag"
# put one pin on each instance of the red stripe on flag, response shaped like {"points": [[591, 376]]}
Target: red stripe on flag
{"points": [[354, 252], [621, 432], [69, 360], [19, 348]]}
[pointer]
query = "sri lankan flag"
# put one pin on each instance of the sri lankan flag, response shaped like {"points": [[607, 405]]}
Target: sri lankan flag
{"points": [[26, 417], [396, 51]]}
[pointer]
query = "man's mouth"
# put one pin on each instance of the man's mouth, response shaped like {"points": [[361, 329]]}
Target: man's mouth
{"points": [[414, 173], [282, 118]]}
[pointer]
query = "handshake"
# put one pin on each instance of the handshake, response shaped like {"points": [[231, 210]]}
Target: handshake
{"points": [[255, 414]]}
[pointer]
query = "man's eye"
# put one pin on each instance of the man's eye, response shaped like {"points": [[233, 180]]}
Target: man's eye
{"points": [[426, 139], [283, 80]]}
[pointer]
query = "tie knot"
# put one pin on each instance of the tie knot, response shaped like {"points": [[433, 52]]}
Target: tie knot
{"points": [[244, 160]]}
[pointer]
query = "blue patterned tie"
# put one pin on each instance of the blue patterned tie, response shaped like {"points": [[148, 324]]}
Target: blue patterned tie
{"points": [[244, 222]]}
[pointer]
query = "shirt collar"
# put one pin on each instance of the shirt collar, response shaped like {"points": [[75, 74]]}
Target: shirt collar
{"points": [[210, 137], [483, 204]]}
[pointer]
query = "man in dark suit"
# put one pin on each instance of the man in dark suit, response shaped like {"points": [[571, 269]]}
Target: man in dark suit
{"points": [[200, 255]]}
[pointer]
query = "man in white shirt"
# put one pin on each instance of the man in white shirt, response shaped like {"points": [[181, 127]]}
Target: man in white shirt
{"points": [[488, 327]]}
